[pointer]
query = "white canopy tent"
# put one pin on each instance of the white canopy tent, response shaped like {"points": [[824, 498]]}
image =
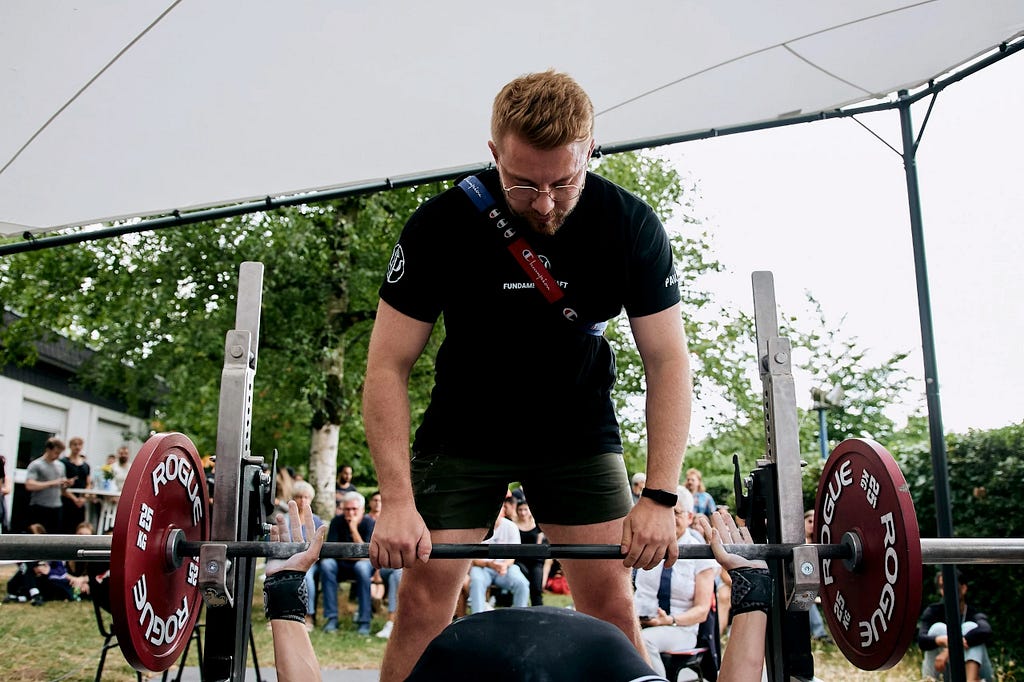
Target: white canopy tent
{"points": [[135, 108]]}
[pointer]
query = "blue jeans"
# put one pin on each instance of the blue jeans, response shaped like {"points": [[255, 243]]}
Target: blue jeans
{"points": [[817, 624], [361, 572], [391, 576], [978, 653], [481, 577], [310, 581]]}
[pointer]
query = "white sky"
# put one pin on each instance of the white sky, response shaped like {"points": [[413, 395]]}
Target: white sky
{"points": [[824, 206]]}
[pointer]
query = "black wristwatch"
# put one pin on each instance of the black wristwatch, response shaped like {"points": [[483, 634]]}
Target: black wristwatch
{"points": [[662, 497]]}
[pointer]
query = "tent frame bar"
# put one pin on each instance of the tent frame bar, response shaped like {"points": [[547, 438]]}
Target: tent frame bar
{"points": [[177, 218]]}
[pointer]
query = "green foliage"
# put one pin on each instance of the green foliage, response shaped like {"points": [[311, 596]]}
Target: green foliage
{"points": [[986, 475], [823, 355], [661, 186]]}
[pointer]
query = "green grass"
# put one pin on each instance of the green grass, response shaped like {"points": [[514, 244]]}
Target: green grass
{"points": [[60, 642]]}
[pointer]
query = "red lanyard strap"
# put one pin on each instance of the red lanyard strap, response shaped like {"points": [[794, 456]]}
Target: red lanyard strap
{"points": [[523, 252]]}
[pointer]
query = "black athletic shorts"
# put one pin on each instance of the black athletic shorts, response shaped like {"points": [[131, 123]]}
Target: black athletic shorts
{"points": [[453, 492]]}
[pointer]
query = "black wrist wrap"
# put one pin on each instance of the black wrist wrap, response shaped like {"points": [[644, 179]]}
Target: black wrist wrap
{"points": [[751, 589], [284, 596]]}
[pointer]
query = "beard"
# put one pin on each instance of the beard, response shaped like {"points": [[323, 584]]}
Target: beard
{"points": [[546, 225]]}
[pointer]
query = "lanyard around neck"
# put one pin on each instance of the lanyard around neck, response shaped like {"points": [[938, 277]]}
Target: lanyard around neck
{"points": [[523, 253]]}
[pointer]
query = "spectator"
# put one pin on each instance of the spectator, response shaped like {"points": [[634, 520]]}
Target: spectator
{"points": [[121, 467], [303, 494], [531, 534], [508, 506], [373, 506], [5, 490], [283, 483], [703, 503], [79, 568], [975, 628], [352, 525], [639, 481], [342, 484], [391, 578], [814, 613], [77, 468], [45, 479], [673, 602], [42, 581], [501, 573]]}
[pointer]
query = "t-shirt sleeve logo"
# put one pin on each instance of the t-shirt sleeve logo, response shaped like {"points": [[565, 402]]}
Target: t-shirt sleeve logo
{"points": [[396, 268]]}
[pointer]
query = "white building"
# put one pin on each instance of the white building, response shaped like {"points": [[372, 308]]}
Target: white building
{"points": [[43, 401]]}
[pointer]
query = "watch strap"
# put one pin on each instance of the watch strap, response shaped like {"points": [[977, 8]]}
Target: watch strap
{"points": [[662, 497]]}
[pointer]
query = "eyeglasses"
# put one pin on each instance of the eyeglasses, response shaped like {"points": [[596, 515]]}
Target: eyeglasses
{"points": [[527, 194]]}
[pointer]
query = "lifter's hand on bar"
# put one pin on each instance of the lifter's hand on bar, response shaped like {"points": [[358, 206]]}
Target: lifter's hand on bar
{"points": [[649, 535], [400, 537]]}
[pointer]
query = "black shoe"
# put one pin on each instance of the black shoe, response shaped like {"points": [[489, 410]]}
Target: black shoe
{"points": [[37, 601]]}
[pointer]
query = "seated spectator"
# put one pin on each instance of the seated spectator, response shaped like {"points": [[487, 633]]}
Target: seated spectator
{"points": [[352, 525], [531, 534], [373, 505], [703, 503], [79, 568], [501, 573], [673, 602], [975, 628], [391, 578], [638, 482], [42, 581], [303, 494]]}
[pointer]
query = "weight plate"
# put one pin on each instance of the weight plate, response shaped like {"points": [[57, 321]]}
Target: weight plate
{"points": [[871, 609], [155, 604]]}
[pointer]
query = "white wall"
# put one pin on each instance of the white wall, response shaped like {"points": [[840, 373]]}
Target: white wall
{"points": [[102, 429]]}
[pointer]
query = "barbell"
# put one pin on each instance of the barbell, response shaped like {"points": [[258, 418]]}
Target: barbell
{"points": [[97, 548], [869, 556]]}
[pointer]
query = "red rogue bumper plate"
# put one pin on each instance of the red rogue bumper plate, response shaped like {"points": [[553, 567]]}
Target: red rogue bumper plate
{"points": [[154, 604], [872, 610]]}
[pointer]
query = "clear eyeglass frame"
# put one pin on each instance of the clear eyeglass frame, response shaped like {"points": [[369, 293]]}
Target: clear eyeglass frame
{"points": [[527, 194]]}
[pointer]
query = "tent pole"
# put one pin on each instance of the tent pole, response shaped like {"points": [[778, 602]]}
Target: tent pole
{"points": [[943, 507]]}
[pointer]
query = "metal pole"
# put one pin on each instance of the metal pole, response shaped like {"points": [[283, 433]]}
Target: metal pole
{"points": [[943, 505], [823, 432]]}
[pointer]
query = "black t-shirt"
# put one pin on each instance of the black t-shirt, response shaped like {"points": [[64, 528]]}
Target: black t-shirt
{"points": [[512, 377], [338, 530], [79, 472]]}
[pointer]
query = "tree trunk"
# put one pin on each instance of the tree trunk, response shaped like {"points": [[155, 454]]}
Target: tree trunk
{"points": [[323, 457]]}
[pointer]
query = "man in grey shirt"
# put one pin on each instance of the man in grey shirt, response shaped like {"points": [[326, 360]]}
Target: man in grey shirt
{"points": [[46, 479]]}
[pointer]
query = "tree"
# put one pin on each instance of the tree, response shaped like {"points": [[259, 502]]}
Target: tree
{"points": [[823, 355]]}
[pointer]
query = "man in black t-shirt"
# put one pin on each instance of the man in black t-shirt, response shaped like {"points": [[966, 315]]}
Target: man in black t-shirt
{"points": [[526, 263]]}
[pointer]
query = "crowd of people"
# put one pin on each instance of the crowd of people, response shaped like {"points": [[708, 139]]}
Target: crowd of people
{"points": [[60, 488]]}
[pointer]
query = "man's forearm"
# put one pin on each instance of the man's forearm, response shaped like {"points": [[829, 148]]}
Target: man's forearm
{"points": [[386, 415], [669, 397]]}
